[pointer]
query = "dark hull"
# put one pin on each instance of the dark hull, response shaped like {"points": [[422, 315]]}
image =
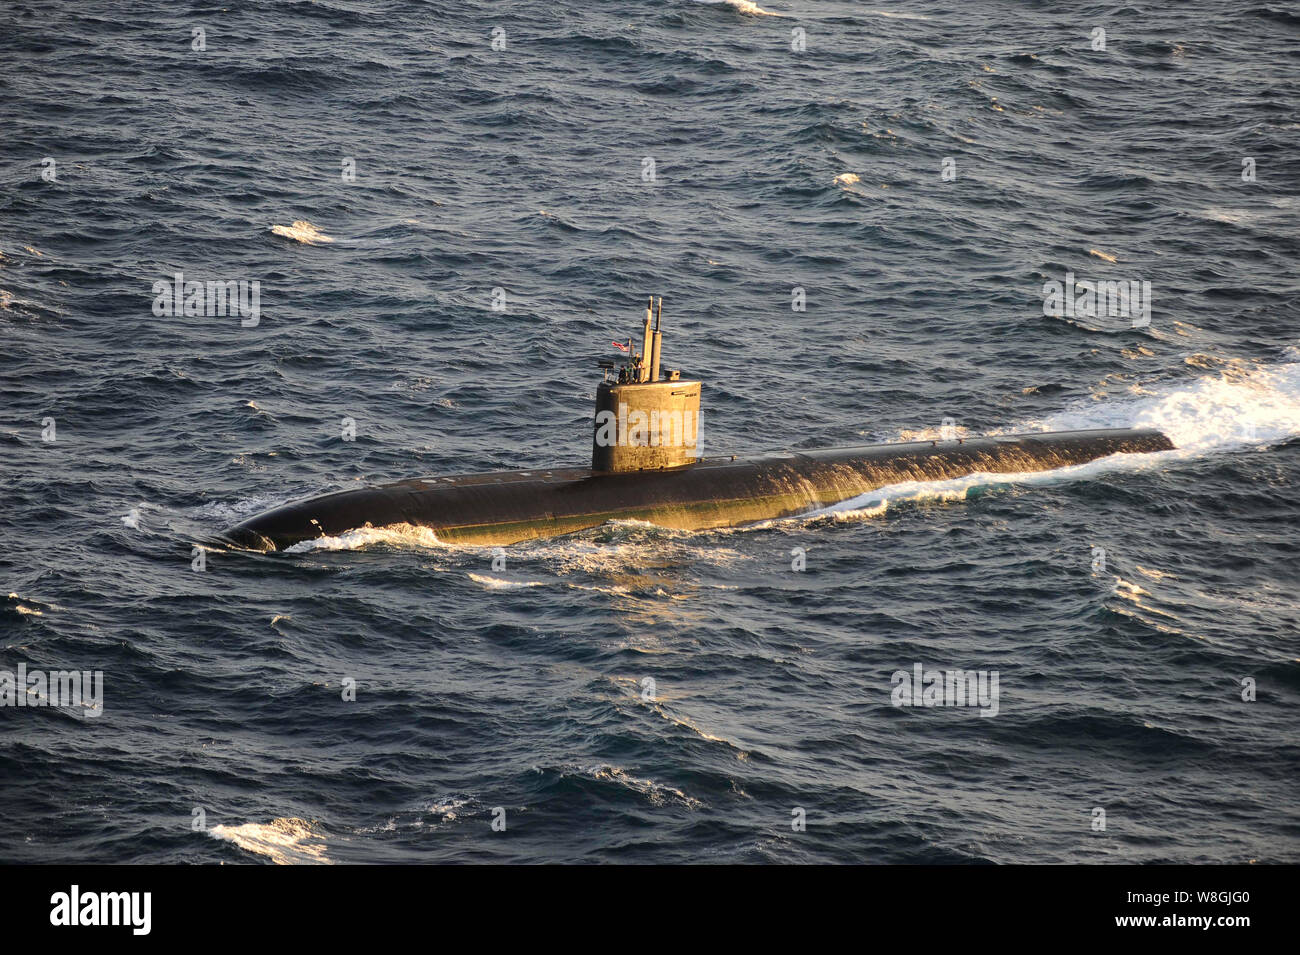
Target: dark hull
{"points": [[504, 507]]}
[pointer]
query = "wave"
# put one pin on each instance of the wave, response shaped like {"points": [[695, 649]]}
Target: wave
{"points": [[744, 6], [395, 535], [302, 231], [15, 603], [897, 16], [443, 810], [496, 583], [654, 793], [1249, 404], [284, 841]]}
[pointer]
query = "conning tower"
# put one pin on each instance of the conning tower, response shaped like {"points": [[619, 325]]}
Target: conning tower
{"points": [[642, 422]]}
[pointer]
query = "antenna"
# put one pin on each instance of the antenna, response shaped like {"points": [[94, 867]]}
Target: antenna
{"points": [[654, 355], [644, 373]]}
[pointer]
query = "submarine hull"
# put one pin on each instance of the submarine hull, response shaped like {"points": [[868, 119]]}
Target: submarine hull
{"points": [[505, 507]]}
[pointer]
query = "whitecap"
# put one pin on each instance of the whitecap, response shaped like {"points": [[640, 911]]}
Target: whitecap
{"points": [[286, 841], [301, 231]]}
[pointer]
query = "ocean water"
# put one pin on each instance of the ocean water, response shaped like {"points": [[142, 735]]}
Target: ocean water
{"points": [[1131, 607]]}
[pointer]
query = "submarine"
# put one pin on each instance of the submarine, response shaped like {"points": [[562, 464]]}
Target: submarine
{"points": [[646, 466]]}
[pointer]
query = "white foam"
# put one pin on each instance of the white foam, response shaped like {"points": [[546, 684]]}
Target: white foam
{"points": [[655, 793], [284, 841], [448, 808], [395, 535], [302, 231], [1247, 405], [876, 503], [496, 583], [744, 6], [897, 16]]}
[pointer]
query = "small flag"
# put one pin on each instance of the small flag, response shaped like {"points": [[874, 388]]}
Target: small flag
{"points": [[619, 345]]}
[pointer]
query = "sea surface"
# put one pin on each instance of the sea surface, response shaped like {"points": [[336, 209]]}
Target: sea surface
{"points": [[635, 694]]}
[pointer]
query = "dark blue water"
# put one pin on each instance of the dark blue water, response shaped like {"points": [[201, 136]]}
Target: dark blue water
{"points": [[1122, 603]]}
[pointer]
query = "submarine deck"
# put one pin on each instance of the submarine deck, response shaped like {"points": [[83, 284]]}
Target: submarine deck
{"points": [[502, 507]]}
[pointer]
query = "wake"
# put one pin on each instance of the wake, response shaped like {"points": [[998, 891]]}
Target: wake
{"points": [[1248, 406]]}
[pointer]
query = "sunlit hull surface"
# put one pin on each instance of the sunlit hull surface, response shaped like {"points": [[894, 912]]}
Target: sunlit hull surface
{"points": [[503, 507]]}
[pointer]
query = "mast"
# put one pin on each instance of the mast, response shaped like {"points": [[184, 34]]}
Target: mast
{"points": [[645, 342], [654, 355]]}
